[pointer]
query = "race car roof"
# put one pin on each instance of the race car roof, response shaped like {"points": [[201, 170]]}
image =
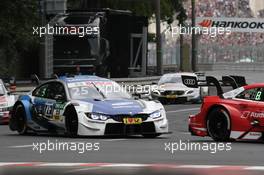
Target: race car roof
{"points": [[81, 78], [254, 85]]}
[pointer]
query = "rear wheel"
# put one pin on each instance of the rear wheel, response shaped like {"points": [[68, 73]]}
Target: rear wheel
{"points": [[20, 119], [71, 121], [218, 125]]}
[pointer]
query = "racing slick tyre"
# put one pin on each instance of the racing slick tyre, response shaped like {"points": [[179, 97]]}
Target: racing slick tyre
{"points": [[71, 121], [151, 135], [218, 125], [20, 119]]}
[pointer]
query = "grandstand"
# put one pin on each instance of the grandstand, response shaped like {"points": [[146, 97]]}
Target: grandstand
{"points": [[257, 7], [234, 48]]}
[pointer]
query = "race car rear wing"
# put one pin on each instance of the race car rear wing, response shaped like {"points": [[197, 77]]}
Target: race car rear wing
{"points": [[232, 81]]}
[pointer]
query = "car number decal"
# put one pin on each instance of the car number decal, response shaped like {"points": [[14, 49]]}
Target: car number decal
{"points": [[48, 110]]}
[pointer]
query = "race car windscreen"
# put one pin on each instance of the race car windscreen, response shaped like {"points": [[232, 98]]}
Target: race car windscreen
{"points": [[112, 90], [85, 92], [169, 79], [97, 90], [233, 93]]}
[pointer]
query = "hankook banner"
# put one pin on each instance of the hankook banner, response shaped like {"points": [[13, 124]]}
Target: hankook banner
{"points": [[236, 24]]}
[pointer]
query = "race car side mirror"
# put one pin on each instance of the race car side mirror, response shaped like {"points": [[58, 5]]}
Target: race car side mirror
{"points": [[59, 97]]}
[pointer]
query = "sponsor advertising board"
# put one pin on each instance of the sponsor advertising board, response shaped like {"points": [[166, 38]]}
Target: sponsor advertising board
{"points": [[235, 24]]}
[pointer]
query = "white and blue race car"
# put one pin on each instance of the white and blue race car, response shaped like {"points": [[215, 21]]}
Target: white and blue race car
{"points": [[86, 106]]}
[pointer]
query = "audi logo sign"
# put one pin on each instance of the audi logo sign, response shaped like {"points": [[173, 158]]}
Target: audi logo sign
{"points": [[189, 81]]}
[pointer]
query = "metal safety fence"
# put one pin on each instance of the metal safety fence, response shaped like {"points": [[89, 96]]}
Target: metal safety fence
{"points": [[217, 53]]}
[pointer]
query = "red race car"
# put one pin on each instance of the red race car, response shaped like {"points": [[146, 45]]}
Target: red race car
{"points": [[234, 115]]}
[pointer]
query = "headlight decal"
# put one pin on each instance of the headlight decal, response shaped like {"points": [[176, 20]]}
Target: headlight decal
{"points": [[97, 116], [190, 92], [155, 115]]}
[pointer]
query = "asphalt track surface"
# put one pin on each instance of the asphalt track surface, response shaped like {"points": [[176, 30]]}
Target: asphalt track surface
{"points": [[133, 150]]}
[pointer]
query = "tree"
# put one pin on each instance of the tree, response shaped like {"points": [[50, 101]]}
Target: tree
{"points": [[17, 17], [181, 17]]}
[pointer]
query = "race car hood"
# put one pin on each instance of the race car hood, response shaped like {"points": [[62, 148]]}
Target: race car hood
{"points": [[115, 107], [173, 86]]}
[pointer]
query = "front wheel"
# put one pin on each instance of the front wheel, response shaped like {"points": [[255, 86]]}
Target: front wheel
{"points": [[71, 120], [218, 125], [20, 119]]}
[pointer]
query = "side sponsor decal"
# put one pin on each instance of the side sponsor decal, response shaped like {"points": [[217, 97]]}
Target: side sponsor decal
{"points": [[190, 81], [252, 115], [58, 112]]}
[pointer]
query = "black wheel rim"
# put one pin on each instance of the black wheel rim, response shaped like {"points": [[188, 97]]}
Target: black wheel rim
{"points": [[74, 125], [218, 126], [20, 119]]}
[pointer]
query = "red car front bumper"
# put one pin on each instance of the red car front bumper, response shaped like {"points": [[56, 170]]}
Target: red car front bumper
{"points": [[196, 126]]}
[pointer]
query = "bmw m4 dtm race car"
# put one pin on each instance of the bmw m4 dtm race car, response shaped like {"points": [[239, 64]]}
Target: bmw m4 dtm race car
{"points": [[171, 88], [86, 106], [235, 115], [6, 103]]}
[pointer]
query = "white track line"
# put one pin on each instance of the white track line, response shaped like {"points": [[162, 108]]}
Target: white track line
{"points": [[199, 166], [21, 146], [183, 110], [112, 140], [126, 165], [185, 133], [260, 168], [59, 164], [84, 169]]}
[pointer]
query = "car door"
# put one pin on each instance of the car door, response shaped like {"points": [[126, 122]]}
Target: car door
{"points": [[39, 101], [48, 103], [249, 101], [260, 112], [59, 100]]}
